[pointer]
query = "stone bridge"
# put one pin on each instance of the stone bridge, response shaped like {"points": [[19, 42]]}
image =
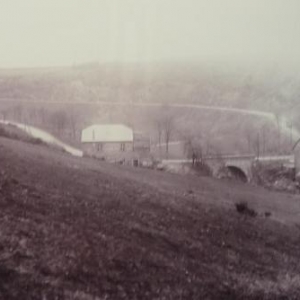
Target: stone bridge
{"points": [[237, 166]]}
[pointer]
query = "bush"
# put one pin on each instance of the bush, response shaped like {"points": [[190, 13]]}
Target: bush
{"points": [[268, 214], [35, 141], [202, 169], [4, 132], [243, 208]]}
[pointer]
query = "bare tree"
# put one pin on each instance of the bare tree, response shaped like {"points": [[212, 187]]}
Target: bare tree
{"points": [[17, 112], [278, 125], [264, 138], [168, 129], [164, 123], [291, 138], [42, 114], [159, 129], [256, 145], [31, 117], [193, 147], [4, 114], [73, 123], [59, 121]]}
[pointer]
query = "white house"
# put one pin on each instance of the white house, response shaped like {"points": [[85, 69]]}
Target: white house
{"points": [[107, 140]]}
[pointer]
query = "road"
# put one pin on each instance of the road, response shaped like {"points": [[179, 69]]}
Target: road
{"points": [[45, 137]]}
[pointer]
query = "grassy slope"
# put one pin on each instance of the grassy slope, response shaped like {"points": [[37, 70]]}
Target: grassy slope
{"points": [[77, 228]]}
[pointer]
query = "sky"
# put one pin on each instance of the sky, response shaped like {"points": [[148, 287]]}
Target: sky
{"points": [[39, 33]]}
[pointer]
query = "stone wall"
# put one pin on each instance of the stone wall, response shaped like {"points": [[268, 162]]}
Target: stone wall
{"points": [[108, 150]]}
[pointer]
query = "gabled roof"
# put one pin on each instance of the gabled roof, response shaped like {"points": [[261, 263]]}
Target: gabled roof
{"points": [[107, 133]]}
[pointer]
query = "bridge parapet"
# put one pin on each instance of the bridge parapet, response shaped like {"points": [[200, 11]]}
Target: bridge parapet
{"points": [[238, 165]]}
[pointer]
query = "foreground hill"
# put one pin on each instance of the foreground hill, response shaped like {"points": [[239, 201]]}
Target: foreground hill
{"points": [[82, 229]]}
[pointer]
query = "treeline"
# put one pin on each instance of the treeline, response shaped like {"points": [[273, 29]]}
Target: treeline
{"points": [[61, 122], [200, 132], [209, 133]]}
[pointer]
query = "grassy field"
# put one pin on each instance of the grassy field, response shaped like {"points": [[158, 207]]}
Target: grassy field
{"points": [[82, 229]]}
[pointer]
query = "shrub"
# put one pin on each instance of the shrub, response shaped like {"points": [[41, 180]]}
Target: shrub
{"points": [[35, 141], [202, 168], [268, 214], [4, 132], [243, 208]]}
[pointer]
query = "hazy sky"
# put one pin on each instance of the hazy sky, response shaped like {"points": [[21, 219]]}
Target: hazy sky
{"points": [[64, 32]]}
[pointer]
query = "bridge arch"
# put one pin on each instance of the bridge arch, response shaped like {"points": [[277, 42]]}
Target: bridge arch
{"points": [[237, 173], [234, 172]]}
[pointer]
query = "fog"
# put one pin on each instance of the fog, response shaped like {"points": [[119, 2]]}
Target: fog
{"points": [[38, 33]]}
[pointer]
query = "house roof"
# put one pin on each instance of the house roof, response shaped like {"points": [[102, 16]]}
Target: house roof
{"points": [[107, 133]]}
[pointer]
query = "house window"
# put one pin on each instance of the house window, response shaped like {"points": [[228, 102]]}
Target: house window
{"points": [[123, 147]]}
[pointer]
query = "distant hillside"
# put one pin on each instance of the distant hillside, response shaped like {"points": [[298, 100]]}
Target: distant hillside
{"points": [[264, 90], [245, 88]]}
